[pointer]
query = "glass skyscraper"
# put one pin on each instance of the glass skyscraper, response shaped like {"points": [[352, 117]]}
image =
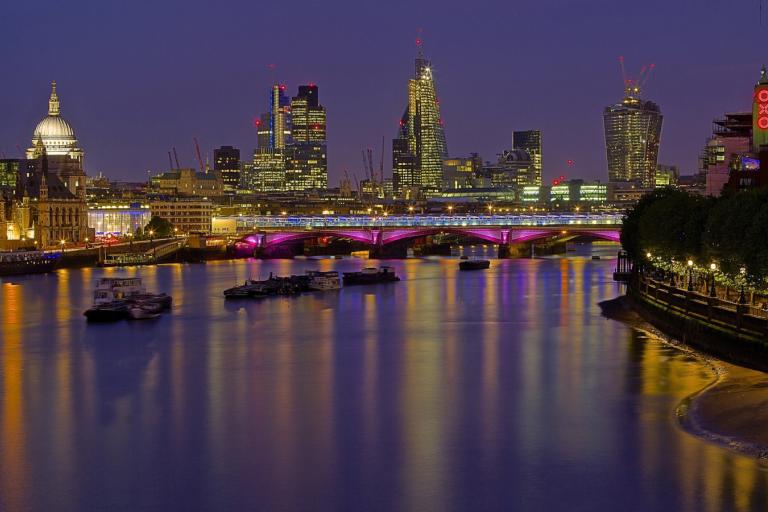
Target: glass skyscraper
{"points": [[632, 137], [422, 128], [307, 163], [530, 141]]}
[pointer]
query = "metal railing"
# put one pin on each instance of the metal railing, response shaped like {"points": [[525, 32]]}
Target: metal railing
{"points": [[366, 221]]}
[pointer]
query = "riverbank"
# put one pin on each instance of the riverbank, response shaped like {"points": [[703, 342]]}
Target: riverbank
{"points": [[731, 411]]}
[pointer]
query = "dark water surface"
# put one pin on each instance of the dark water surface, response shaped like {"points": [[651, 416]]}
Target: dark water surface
{"points": [[497, 390]]}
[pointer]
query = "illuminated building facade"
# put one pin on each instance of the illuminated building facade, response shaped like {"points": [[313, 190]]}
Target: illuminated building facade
{"points": [[632, 137], [306, 158], [461, 173], [760, 113], [118, 219], [47, 204], [266, 173], [405, 181], [226, 162], [530, 142], [666, 175], [422, 127], [188, 215], [513, 168], [188, 182], [731, 137]]}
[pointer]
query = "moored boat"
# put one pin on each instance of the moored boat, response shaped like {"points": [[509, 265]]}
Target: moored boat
{"points": [[323, 281], [14, 263], [116, 298], [107, 311], [371, 275], [474, 264]]}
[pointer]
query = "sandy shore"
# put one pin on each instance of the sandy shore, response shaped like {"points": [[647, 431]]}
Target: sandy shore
{"points": [[731, 411]]}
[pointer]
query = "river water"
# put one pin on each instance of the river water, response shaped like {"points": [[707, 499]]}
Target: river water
{"points": [[495, 390]]}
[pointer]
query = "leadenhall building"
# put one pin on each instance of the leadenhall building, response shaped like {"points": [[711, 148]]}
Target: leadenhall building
{"points": [[46, 204]]}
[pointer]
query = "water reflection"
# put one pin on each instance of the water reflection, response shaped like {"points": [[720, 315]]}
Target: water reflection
{"points": [[447, 391]]}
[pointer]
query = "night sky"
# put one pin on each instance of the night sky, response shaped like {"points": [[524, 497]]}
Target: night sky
{"points": [[139, 77]]}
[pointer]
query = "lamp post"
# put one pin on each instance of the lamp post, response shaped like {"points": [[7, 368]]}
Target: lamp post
{"points": [[690, 275], [712, 287], [742, 297], [62, 245]]}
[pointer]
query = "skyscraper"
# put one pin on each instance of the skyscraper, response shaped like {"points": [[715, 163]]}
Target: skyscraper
{"points": [[530, 141], [632, 136], [267, 171], [279, 118], [422, 127], [307, 163], [226, 161]]}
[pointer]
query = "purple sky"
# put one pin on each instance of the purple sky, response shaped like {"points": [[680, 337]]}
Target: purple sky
{"points": [[139, 77]]}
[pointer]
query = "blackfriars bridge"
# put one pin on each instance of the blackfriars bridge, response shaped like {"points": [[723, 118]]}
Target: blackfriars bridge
{"points": [[262, 232]]}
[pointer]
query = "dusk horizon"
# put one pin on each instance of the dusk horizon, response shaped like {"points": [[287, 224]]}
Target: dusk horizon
{"points": [[135, 86]]}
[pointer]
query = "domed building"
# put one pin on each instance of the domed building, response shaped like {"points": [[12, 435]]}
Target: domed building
{"points": [[56, 133], [57, 137], [48, 204]]}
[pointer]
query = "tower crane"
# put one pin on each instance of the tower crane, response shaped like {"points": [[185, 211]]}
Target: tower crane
{"points": [[197, 151]]}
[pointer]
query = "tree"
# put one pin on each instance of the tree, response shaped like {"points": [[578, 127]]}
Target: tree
{"points": [[161, 227]]}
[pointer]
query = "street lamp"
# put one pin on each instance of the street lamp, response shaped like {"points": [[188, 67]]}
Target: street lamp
{"points": [[690, 275], [450, 209], [712, 288], [62, 245], [410, 209], [742, 297]]}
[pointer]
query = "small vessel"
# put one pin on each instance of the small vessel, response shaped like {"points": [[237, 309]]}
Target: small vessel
{"points": [[107, 311], [595, 257], [474, 264], [139, 312], [323, 281], [371, 275], [14, 263], [109, 289], [116, 298]]}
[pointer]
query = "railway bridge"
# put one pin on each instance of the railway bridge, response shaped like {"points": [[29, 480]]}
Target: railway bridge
{"points": [[262, 232]]}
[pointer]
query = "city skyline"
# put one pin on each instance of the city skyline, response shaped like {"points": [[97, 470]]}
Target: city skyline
{"points": [[127, 122]]}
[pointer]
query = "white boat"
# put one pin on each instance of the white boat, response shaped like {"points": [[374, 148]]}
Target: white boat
{"points": [[323, 281], [109, 289]]}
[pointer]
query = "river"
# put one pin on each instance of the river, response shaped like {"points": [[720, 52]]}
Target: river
{"points": [[449, 391]]}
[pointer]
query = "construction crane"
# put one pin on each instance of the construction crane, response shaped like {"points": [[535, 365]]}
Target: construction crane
{"points": [[634, 87], [170, 161], [21, 152], [176, 157], [199, 157]]}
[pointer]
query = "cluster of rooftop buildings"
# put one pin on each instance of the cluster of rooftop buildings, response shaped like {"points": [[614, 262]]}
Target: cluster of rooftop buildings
{"points": [[47, 198]]}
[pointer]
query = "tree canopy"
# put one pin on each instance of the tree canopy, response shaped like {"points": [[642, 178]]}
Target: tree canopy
{"points": [[731, 231], [160, 227]]}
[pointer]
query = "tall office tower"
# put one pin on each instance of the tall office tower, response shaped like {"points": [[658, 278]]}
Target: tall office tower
{"points": [[404, 182], [307, 163], [760, 113], [530, 141], [422, 127], [632, 136], [226, 161], [280, 118]]}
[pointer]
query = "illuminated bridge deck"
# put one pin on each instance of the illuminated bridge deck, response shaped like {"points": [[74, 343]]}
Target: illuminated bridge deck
{"points": [[270, 222]]}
